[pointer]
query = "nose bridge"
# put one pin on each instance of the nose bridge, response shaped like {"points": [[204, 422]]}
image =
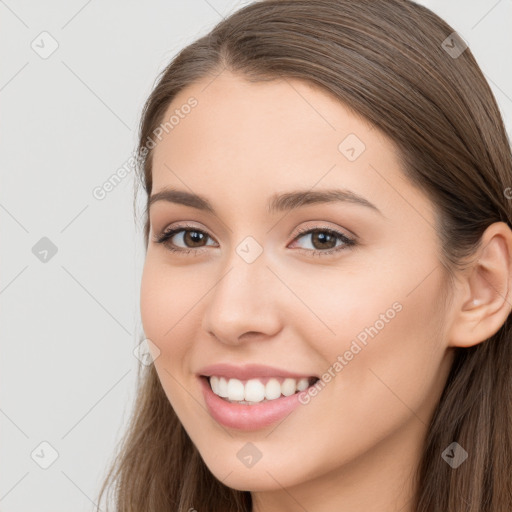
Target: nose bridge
{"points": [[243, 298]]}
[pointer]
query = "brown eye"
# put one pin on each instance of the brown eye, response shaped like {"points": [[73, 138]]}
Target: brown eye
{"points": [[325, 240], [193, 238], [183, 239]]}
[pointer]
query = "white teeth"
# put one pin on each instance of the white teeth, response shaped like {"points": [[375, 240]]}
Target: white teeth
{"points": [[288, 387], [236, 389], [272, 389], [223, 387], [214, 383], [254, 391], [302, 384]]}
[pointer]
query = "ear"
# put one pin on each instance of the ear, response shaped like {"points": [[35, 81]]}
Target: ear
{"points": [[484, 300]]}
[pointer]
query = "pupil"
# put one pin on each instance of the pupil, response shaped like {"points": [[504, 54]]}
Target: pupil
{"points": [[194, 236], [324, 237]]}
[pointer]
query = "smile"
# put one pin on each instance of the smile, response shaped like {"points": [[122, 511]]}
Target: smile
{"points": [[258, 412], [258, 390]]}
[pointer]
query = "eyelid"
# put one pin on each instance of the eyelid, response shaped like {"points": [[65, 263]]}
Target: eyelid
{"points": [[322, 226], [185, 226]]}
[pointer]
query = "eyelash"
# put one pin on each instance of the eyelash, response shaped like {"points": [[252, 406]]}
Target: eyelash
{"points": [[347, 242]]}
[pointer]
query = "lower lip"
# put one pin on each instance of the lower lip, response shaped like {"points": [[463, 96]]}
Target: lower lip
{"points": [[244, 416]]}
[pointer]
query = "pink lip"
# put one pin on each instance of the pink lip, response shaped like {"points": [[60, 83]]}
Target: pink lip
{"points": [[244, 416], [248, 371]]}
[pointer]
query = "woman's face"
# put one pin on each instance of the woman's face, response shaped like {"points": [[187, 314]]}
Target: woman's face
{"points": [[251, 284]]}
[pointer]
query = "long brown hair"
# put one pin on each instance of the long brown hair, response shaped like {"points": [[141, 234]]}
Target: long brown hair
{"points": [[386, 60]]}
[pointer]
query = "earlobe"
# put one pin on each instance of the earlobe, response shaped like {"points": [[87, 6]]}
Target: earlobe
{"points": [[485, 299]]}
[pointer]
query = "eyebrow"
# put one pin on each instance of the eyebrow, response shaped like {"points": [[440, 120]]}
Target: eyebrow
{"points": [[277, 203]]}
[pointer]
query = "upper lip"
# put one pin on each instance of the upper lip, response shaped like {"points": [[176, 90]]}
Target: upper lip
{"points": [[249, 371]]}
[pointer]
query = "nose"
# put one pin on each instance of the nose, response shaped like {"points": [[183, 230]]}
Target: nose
{"points": [[244, 303]]}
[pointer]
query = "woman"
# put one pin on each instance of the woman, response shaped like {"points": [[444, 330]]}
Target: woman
{"points": [[326, 291]]}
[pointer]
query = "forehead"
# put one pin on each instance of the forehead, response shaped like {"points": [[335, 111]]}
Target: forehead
{"points": [[245, 139], [230, 109], [288, 120]]}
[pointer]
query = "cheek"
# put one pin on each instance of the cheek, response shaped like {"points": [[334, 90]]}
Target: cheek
{"points": [[338, 306], [170, 307], [393, 356], [383, 339], [168, 317], [167, 299], [152, 307]]}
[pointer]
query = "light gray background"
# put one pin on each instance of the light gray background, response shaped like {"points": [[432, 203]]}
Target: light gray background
{"points": [[68, 122]]}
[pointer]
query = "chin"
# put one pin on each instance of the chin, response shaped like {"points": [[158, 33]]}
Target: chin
{"points": [[257, 478]]}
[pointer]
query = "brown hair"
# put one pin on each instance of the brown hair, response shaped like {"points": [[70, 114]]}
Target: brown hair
{"points": [[385, 60]]}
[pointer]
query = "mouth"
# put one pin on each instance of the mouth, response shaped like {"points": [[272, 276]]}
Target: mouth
{"points": [[257, 390]]}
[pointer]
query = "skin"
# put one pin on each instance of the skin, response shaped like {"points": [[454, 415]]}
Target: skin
{"points": [[355, 446]]}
